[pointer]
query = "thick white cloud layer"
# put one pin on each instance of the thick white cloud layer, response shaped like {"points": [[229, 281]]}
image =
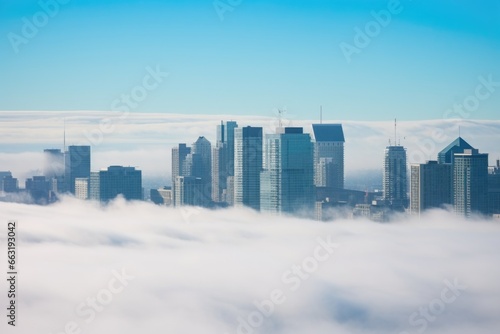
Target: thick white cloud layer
{"points": [[145, 140], [199, 271]]}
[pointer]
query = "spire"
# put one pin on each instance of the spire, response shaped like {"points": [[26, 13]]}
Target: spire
{"points": [[395, 132], [280, 121]]}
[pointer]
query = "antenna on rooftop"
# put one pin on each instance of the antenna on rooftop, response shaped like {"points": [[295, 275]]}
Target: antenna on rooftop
{"points": [[395, 132], [280, 115], [320, 114]]}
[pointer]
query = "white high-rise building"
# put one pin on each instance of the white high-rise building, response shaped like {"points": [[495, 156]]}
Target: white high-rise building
{"points": [[82, 188]]}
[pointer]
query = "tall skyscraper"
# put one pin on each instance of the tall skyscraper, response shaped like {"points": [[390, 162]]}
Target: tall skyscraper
{"points": [[329, 155], [287, 181], [77, 165], [447, 156], [179, 155], [229, 129], [202, 165], [470, 182], [247, 166], [395, 177], [430, 186], [223, 160], [219, 172], [107, 184]]}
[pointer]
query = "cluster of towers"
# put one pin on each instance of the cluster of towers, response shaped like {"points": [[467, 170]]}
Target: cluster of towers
{"points": [[292, 172], [70, 172], [288, 171], [273, 173], [460, 178]]}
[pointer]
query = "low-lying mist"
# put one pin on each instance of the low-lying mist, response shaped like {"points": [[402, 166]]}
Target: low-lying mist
{"points": [[135, 267]]}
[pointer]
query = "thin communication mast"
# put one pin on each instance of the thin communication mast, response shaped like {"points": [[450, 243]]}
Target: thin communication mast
{"points": [[395, 132], [321, 115]]}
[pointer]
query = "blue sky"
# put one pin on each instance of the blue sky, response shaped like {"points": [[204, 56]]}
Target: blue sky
{"points": [[263, 55]]}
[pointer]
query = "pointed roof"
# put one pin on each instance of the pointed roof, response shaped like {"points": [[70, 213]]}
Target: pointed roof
{"points": [[459, 142], [328, 132], [456, 146]]}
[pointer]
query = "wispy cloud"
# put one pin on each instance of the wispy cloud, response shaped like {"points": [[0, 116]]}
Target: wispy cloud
{"points": [[207, 275], [146, 139]]}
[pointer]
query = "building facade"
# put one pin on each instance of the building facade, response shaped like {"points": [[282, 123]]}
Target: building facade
{"points": [[395, 177], [82, 188], [201, 166], [329, 155], [247, 166], [223, 161], [494, 189], [77, 165], [179, 155], [162, 196], [107, 184], [39, 189], [430, 186], [287, 181], [446, 155], [470, 182], [189, 191], [8, 183]]}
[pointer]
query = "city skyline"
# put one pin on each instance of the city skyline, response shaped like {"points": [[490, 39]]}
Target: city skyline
{"points": [[285, 172], [250, 167]]}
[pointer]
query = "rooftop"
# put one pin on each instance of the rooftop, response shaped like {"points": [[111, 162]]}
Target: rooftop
{"points": [[328, 133], [459, 142]]}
